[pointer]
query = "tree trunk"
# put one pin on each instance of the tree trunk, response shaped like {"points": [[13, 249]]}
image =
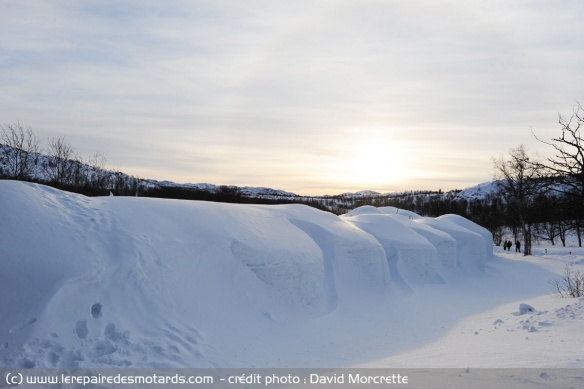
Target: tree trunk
{"points": [[526, 230]]}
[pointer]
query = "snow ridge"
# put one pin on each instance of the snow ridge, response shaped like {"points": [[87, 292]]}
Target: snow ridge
{"points": [[125, 281]]}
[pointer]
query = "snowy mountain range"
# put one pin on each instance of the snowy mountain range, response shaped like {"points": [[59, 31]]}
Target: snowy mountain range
{"points": [[41, 161]]}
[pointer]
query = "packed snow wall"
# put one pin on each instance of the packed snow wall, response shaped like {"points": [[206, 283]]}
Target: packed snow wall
{"points": [[121, 281]]}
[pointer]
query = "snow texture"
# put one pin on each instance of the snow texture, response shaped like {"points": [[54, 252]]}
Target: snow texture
{"points": [[141, 282]]}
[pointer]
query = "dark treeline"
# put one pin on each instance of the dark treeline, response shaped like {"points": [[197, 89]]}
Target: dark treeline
{"points": [[224, 194]]}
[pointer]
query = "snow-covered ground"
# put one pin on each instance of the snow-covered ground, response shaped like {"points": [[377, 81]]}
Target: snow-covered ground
{"points": [[141, 282]]}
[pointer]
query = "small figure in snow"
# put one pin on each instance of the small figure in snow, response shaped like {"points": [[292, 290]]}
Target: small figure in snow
{"points": [[517, 246]]}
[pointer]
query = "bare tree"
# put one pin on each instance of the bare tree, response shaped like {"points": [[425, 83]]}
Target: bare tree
{"points": [[20, 157], [571, 284], [518, 180], [60, 168], [565, 170], [99, 176]]}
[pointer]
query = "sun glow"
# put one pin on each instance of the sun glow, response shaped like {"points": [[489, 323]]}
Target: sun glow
{"points": [[378, 163]]}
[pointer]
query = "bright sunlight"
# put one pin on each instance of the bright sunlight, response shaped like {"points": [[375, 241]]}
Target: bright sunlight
{"points": [[377, 163]]}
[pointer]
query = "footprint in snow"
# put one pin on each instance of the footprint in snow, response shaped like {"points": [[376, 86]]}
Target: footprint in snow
{"points": [[96, 310], [22, 326], [81, 329]]}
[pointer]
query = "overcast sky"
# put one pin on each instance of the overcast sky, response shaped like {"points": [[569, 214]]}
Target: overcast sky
{"points": [[314, 97]]}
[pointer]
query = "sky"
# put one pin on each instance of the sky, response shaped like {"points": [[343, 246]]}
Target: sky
{"points": [[314, 97]]}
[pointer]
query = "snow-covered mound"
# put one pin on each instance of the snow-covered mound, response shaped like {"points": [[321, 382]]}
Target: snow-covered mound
{"points": [[124, 281], [444, 243], [397, 211], [410, 256], [470, 245], [365, 210], [469, 225], [456, 241]]}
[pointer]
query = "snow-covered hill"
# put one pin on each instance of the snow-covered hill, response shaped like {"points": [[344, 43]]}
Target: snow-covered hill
{"points": [[246, 191], [141, 282], [480, 191], [39, 164]]}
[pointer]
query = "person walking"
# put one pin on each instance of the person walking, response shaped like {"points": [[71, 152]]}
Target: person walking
{"points": [[517, 246]]}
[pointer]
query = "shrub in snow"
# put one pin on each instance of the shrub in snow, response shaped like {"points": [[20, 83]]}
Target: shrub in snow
{"points": [[571, 284]]}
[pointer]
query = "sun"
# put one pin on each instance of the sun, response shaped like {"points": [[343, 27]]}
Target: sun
{"points": [[377, 163]]}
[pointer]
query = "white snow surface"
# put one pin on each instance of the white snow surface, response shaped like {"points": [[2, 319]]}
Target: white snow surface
{"points": [[141, 282]]}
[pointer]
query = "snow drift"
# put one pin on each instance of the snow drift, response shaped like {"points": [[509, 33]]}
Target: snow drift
{"points": [[118, 281]]}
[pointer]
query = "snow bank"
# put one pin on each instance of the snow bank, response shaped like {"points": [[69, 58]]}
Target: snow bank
{"points": [[470, 245], [410, 256], [365, 210], [444, 243], [398, 211], [118, 281], [457, 242], [469, 225]]}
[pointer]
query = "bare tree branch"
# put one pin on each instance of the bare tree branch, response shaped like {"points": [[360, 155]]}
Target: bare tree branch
{"points": [[518, 177], [22, 151]]}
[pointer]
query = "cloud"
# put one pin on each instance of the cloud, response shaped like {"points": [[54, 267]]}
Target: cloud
{"points": [[268, 91]]}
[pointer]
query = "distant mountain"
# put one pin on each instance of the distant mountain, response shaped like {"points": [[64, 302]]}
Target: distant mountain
{"points": [[95, 180], [43, 164], [363, 193], [246, 191], [480, 191]]}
